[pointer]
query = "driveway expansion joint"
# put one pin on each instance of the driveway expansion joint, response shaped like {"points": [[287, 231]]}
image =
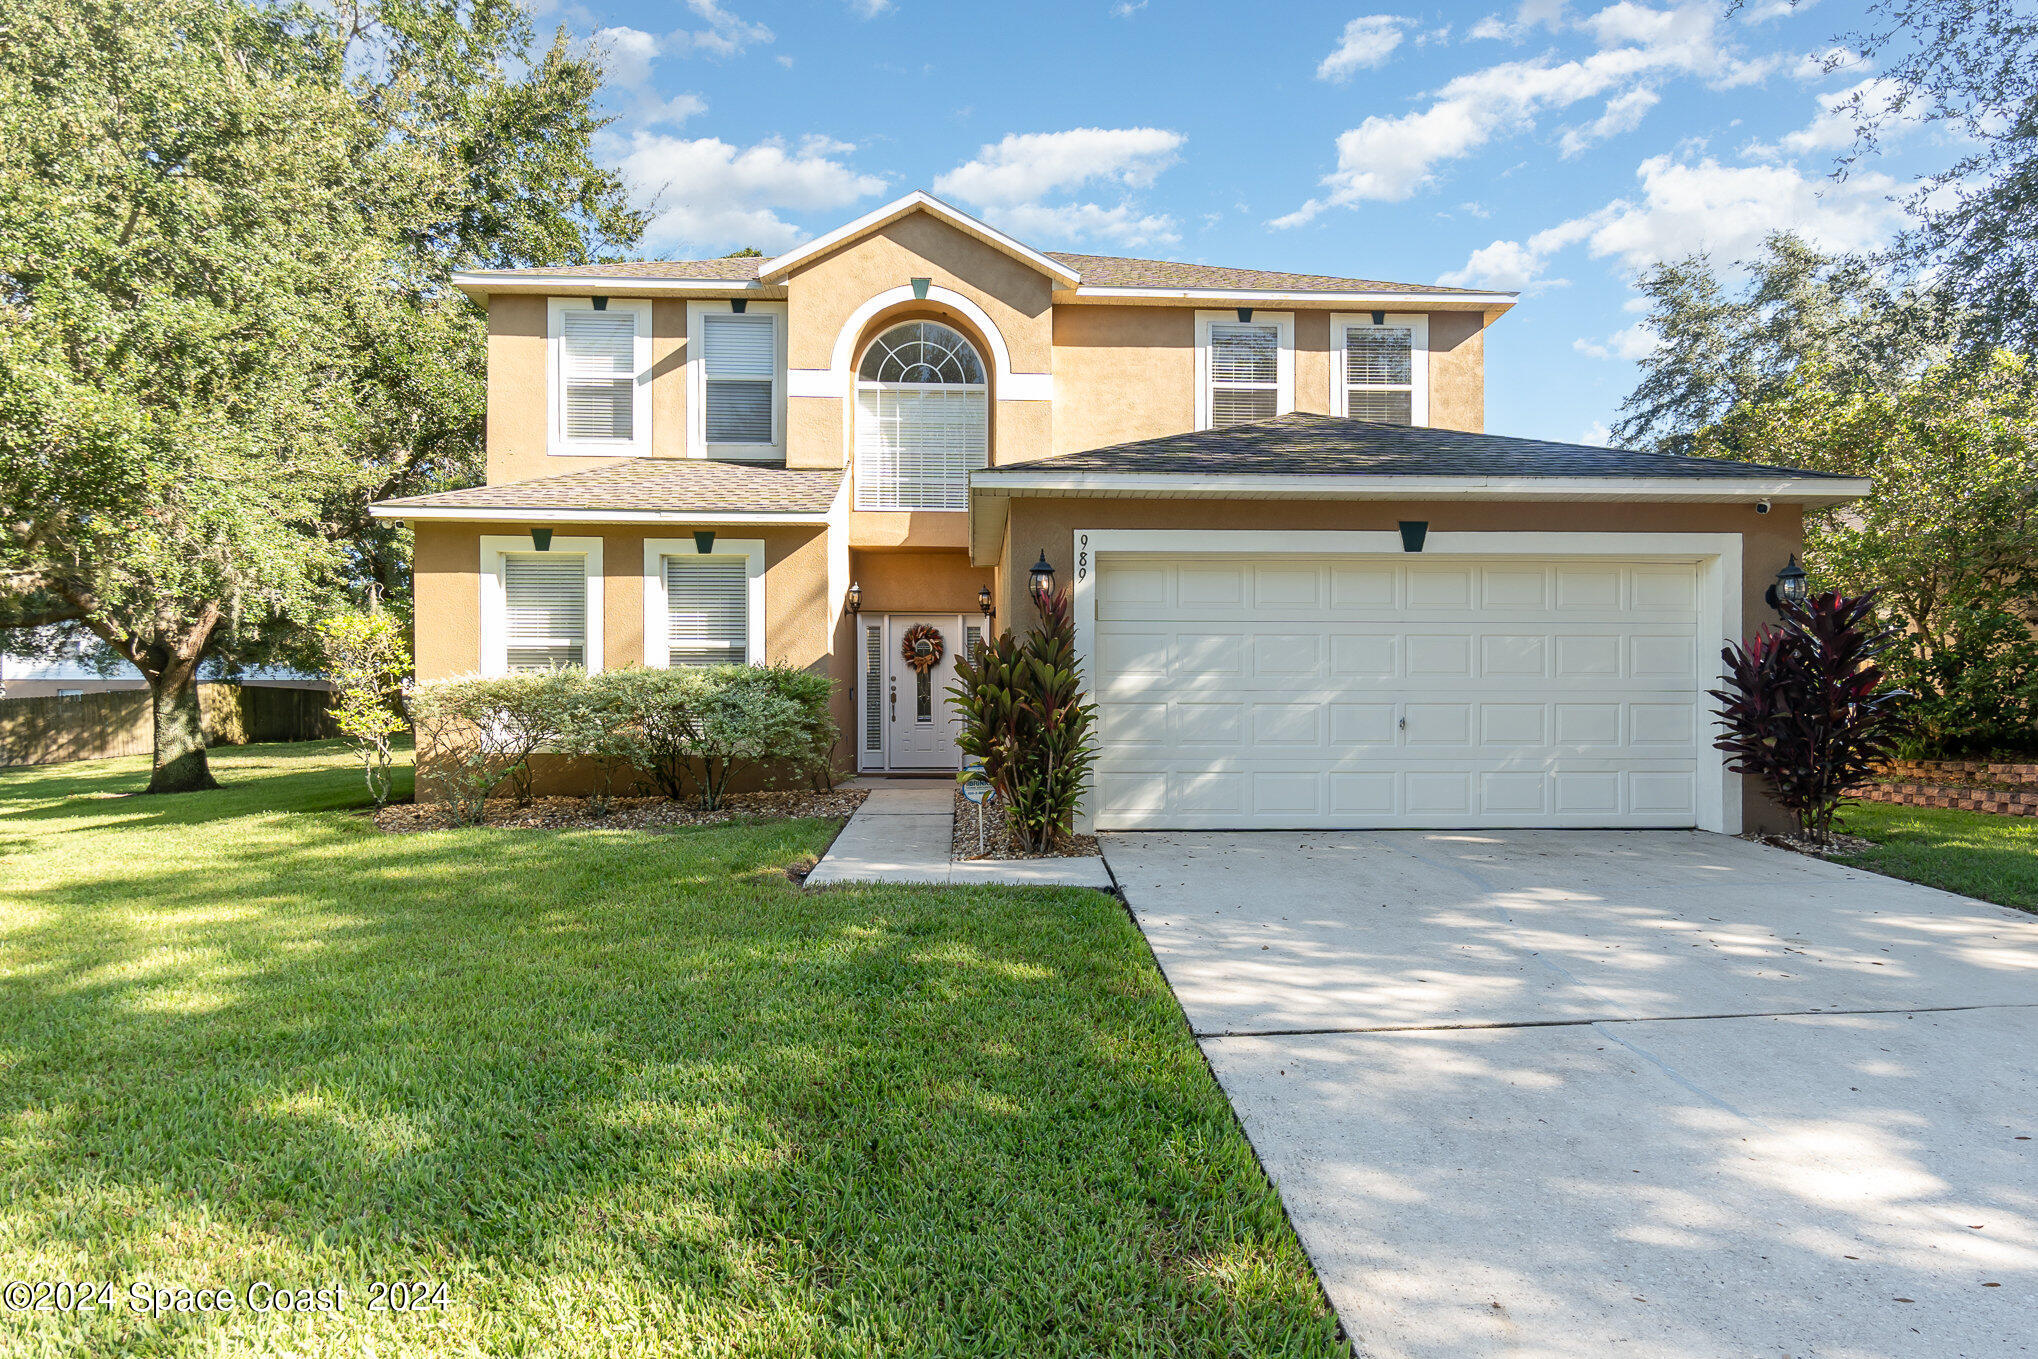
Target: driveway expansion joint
{"points": [[1214, 1034]]}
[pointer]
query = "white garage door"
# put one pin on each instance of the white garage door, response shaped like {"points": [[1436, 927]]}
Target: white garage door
{"points": [[1360, 691]]}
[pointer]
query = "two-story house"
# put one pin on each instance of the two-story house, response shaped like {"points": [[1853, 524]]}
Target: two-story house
{"points": [[1311, 591]]}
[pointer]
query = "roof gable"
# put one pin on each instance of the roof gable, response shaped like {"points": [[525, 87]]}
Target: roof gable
{"points": [[775, 269]]}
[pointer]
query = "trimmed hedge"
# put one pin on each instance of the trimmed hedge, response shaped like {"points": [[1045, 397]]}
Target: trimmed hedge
{"points": [[690, 731]]}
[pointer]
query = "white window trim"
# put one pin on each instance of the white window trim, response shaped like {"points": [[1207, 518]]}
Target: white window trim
{"points": [[1718, 556], [697, 445], [494, 609], [1418, 366], [1284, 371], [657, 642], [556, 442]]}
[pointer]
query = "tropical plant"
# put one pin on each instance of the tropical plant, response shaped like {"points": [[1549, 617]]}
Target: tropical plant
{"points": [[1025, 719], [367, 662], [1806, 707]]}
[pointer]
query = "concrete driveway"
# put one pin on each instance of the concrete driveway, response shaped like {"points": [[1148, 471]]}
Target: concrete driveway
{"points": [[1651, 1093]]}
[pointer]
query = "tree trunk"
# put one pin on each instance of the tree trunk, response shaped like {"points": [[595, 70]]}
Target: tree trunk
{"points": [[180, 733]]}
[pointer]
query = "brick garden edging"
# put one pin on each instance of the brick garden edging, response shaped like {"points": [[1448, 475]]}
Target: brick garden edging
{"points": [[1962, 785]]}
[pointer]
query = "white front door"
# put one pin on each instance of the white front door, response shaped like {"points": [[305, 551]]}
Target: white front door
{"points": [[920, 727]]}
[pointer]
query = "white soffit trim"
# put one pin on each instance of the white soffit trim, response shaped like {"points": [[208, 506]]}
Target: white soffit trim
{"points": [[1271, 297], [1362, 486], [511, 515], [918, 201], [479, 285]]}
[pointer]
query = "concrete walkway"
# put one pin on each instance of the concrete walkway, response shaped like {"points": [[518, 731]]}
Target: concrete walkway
{"points": [[903, 833], [1544, 1094]]}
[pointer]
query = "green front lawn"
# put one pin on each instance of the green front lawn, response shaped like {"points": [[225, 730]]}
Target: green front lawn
{"points": [[622, 1092], [1973, 853]]}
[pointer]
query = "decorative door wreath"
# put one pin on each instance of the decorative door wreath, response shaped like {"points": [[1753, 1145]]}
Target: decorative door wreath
{"points": [[922, 647]]}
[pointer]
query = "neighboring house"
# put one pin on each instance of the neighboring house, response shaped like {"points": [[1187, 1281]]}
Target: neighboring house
{"points": [[78, 671], [1310, 590]]}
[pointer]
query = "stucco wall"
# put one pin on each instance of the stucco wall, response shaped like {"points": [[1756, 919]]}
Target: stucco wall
{"points": [[1767, 542], [911, 582], [1127, 373], [517, 392]]}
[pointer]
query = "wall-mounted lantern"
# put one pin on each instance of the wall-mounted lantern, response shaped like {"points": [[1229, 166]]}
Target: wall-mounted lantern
{"points": [[1792, 585], [541, 540], [1414, 533], [984, 605], [1041, 580], [855, 599]]}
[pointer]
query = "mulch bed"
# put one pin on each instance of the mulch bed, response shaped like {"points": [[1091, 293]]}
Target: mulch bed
{"points": [[1818, 849], [630, 813], [998, 841]]}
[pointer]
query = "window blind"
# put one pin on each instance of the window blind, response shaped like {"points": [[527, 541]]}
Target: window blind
{"points": [[1380, 374], [545, 608], [873, 687], [707, 610], [1244, 372], [739, 355], [915, 448], [598, 361]]}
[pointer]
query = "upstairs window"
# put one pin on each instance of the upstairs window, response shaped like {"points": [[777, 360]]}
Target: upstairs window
{"points": [[922, 419], [1382, 366], [1245, 369], [736, 386], [599, 389], [544, 609]]}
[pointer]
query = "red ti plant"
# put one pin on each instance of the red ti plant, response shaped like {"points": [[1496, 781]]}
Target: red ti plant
{"points": [[1806, 707]]}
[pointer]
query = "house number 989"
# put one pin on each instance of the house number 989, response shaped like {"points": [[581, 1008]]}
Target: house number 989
{"points": [[1083, 558]]}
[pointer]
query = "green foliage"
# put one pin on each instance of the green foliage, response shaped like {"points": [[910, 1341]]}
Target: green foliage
{"points": [[1970, 66], [367, 661], [1024, 717], [692, 730], [1947, 540], [1806, 708], [1719, 347], [225, 231], [476, 732]]}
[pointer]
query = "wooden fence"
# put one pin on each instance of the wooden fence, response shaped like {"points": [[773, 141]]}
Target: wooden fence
{"points": [[93, 726]]}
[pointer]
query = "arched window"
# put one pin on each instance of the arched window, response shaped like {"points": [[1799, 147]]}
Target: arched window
{"points": [[921, 405]]}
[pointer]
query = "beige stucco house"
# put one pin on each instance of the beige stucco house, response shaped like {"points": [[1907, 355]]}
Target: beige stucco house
{"points": [[1311, 591]]}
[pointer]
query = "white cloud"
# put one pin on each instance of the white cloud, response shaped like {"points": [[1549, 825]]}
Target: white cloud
{"points": [[1507, 266], [1631, 343], [1367, 41], [1010, 180], [707, 195], [1623, 113], [626, 55], [1529, 16], [1833, 126], [1125, 9], [1597, 434], [1690, 205], [869, 9], [1390, 157], [725, 36]]}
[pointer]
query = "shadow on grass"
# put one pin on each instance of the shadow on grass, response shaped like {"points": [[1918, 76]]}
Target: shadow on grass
{"points": [[600, 1064]]}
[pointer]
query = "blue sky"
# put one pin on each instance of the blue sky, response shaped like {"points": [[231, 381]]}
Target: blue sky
{"points": [[1549, 147]]}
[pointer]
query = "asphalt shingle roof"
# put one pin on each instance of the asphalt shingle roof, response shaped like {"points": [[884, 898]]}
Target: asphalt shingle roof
{"points": [[1097, 271], [1305, 444], [687, 485]]}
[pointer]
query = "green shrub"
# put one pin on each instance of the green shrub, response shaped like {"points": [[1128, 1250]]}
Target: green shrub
{"points": [[661, 708], [476, 732], [1024, 718], [367, 662], [598, 725], [1974, 692], [757, 714]]}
